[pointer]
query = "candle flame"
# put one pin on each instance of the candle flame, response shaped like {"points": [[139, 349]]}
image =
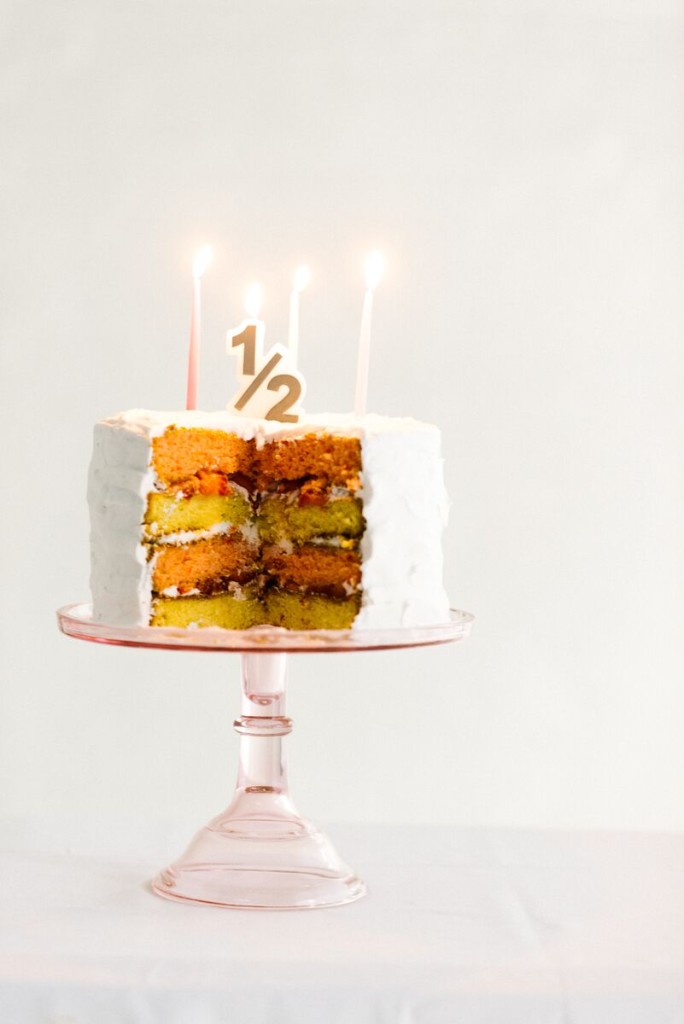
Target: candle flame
{"points": [[302, 277], [203, 258], [253, 300], [373, 269]]}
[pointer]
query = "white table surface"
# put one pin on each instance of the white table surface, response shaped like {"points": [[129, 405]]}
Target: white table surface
{"points": [[460, 927]]}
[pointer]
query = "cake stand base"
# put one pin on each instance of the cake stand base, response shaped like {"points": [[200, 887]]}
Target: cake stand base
{"points": [[273, 869], [260, 854]]}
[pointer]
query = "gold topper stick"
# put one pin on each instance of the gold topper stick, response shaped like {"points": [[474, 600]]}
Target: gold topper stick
{"points": [[256, 372]]}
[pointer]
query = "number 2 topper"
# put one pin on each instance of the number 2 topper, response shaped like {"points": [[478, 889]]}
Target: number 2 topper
{"points": [[270, 386]]}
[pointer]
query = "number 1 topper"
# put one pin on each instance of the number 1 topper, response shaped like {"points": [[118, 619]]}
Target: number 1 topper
{"points": [[258, 376]]}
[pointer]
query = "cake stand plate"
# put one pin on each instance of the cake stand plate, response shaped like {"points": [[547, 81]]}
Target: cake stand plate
{"points": [[261, 854]]}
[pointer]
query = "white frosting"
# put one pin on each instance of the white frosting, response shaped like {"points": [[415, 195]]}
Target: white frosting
{"points": [[404, 505], [187, 536], [175, 592], [147, 424], [118, 484]]}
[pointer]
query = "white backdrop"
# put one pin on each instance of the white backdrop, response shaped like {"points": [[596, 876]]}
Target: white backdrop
{"points": [[521, 164]]}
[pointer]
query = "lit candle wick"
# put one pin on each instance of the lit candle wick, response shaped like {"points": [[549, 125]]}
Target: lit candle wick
{"points": [[374, 266], [200, 264]]}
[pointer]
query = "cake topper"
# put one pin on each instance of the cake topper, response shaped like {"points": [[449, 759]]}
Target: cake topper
{"points": [[260, 392]]}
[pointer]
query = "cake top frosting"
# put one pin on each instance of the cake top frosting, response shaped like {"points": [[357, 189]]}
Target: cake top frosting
{"points": [[150, 423]]}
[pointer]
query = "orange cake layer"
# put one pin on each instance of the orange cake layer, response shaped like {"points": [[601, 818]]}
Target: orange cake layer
{"points": [[182, 452], [205, 565], [329, 570], [334, 459]]}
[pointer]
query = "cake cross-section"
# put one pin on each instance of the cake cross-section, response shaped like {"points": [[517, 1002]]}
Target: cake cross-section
{"points": [[208, 519]]}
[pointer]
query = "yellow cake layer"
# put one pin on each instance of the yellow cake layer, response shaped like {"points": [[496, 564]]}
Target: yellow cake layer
{"points": [[279, 519], [310, 611], [167, 513], [221, 610]]}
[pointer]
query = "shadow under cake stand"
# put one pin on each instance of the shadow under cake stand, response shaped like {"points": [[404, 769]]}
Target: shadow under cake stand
{"points": [[260, 853]]}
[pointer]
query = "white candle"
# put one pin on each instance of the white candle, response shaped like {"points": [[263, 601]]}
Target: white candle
{"points": [[200, 264], [301, 279], [254, 296], [374, 266]]}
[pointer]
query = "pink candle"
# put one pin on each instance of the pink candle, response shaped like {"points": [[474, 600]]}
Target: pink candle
{"points": [[200, 264], [373, 268]]}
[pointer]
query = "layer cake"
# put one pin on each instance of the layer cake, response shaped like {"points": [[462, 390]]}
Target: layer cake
{"points": [[209, 519]]}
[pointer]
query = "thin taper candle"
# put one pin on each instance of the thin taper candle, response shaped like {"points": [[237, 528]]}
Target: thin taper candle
{"points": [[301, 279], [374, 266], [200, 264], [254, 297]]}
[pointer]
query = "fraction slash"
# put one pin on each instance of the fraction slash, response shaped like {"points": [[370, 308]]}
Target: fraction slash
{"points": [[262, 375]]}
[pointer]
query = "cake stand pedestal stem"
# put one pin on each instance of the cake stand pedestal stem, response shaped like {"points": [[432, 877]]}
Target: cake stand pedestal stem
{"points": [[260, 853], [261, 799]]}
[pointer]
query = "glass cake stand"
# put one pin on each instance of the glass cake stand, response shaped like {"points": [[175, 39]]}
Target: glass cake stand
{"points": [[260, 854]]}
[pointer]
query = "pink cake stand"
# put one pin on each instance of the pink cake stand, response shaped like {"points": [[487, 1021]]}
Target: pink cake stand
{"points": [[260, 854]]}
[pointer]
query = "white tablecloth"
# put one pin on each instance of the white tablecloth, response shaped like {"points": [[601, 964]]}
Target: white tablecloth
{"points": [[460, 927]]}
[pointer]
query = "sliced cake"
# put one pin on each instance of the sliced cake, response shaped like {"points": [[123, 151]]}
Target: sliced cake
{"points": [[207, 519]]}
